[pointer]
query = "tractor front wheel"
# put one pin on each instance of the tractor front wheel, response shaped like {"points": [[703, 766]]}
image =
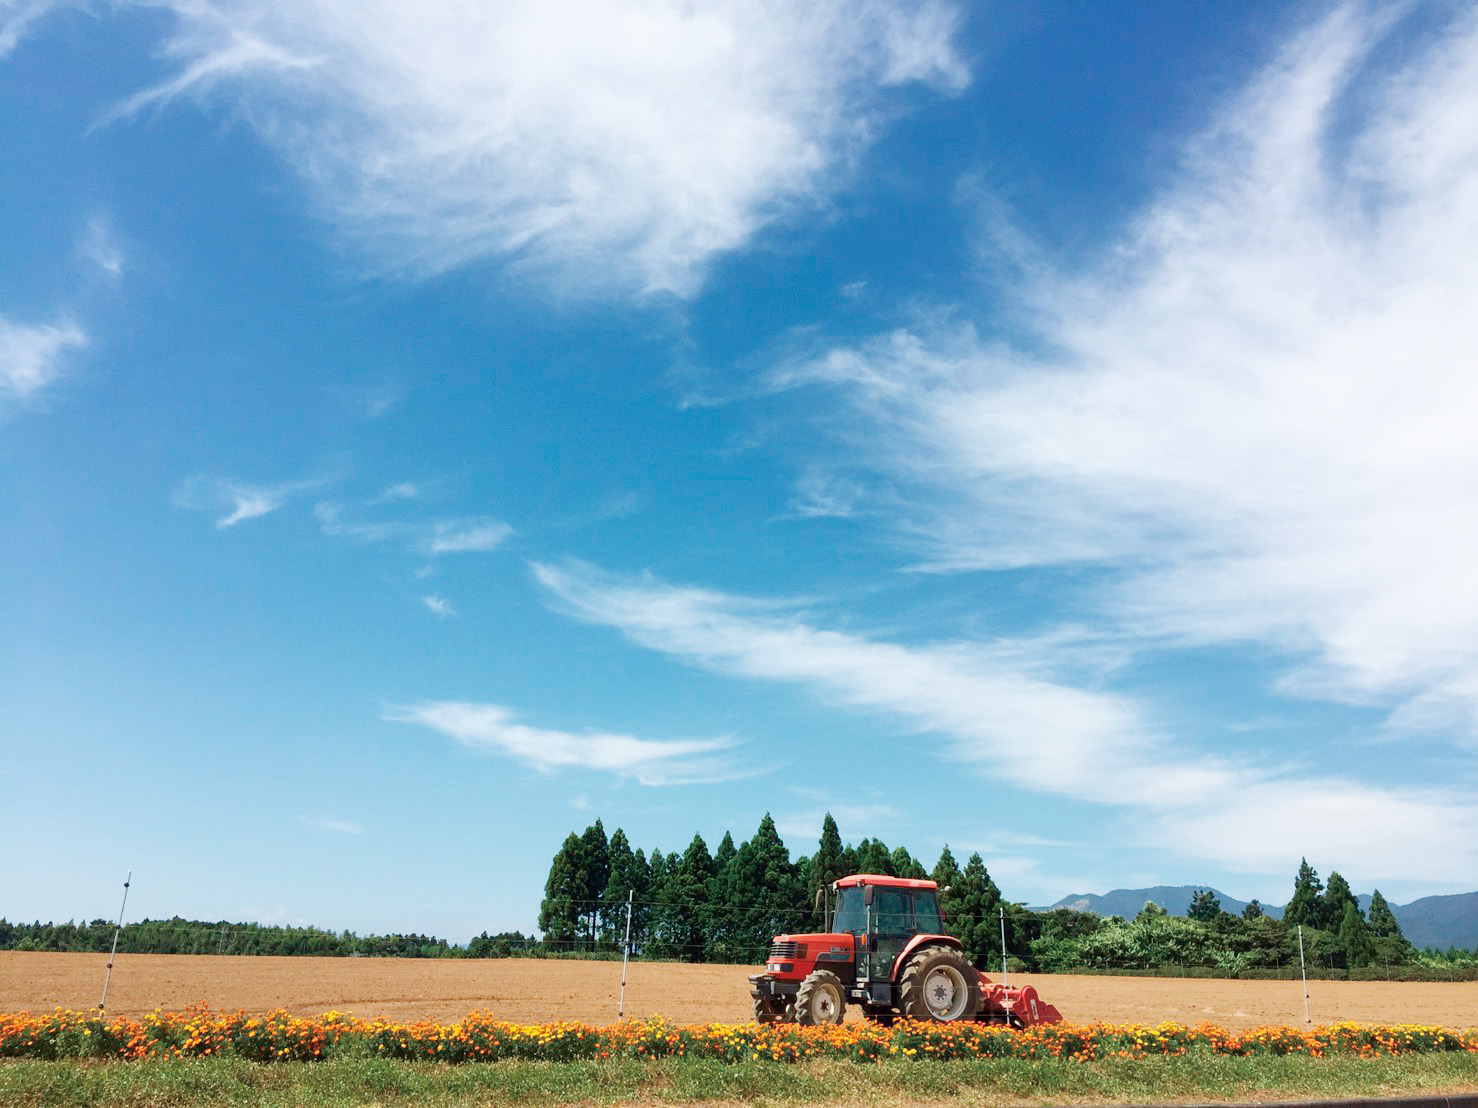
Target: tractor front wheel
{"points": [[821, 1001], [939, 985]]}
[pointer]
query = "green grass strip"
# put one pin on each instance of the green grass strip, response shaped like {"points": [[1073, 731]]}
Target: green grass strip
{"points": [[1198, 1076]]}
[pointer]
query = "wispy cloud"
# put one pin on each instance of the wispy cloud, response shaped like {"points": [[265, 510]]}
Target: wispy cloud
{"points": [[238, 501], [460, 536], [99, 245], [439, 606], [16, 16], [613, 144], [995, 708], [31, 355], [650, 762], [232, 52], [1256, 410], [402, 491], [327, 823]]}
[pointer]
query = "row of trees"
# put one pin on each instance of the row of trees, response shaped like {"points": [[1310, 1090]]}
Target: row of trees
{"points": [[182, 936], [724, 906]]}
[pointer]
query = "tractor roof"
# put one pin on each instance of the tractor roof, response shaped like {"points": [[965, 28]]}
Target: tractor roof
{"points": [[880, 879]]}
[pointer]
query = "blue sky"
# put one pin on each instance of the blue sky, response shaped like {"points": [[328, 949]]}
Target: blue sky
{"points": [[1042, 429]]}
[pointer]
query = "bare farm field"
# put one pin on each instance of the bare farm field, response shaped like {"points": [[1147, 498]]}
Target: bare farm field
{"points": [[537, 991]]}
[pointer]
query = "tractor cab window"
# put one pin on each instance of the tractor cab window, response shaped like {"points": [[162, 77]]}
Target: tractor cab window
{"points": [[851, 913], [892, 911], [926, 913]]}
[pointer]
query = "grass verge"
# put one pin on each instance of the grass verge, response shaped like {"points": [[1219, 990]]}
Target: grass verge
{"points": [[1198, 1076]]}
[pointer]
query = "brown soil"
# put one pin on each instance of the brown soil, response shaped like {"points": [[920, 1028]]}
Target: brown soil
{"points": [[534, 991]]}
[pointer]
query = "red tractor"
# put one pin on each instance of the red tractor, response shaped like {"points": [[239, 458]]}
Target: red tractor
{"points": [[885, 950]]}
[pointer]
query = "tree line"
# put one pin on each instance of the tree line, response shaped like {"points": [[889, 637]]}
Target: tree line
{"points": [[182, 936], [726, 905]]}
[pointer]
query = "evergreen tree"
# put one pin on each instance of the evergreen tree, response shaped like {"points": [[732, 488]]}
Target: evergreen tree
{"points": [[1205, 907], [946, 874], [873, 857], [564, 892], [975, 916], [724, 917], [687, 894], [1337, 897], [767, 879], [1306, 907], [1382, 920], [849, 861], [825, 868], [595, 868], [904, 865], [629, 878], [1354, 935], [1388, 946], [665, 925], [1253, 910]]}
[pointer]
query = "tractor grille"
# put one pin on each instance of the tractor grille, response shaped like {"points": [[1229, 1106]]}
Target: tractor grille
{"points": [[779, 951]]}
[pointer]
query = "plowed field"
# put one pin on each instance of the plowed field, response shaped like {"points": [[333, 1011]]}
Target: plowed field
{"points": [[534, 991]]}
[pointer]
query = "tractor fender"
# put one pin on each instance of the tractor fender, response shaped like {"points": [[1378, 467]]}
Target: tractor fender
{"points": [[917, 943]]}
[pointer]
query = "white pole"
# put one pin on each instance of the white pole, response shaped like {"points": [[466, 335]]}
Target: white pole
{"points": [[103, 1004], [1303, 970], [1005, 969], [625, 954]]}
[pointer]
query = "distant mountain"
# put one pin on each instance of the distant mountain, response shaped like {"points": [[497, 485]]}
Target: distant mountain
{"points": [[1175, 899], [1438, 921]]}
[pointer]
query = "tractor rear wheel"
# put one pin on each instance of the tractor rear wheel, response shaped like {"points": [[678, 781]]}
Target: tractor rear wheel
{"points": [[821, 1001], [939, 985], [768, 1009]]}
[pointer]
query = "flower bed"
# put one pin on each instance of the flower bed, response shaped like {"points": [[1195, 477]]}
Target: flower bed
{"points": [[278, 1036]]}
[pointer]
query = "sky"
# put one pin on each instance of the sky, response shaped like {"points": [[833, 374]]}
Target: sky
{"points": [[1041, 429]]}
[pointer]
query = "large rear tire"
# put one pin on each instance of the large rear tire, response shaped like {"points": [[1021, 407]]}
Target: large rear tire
{"points": [[939, 985], [821, 1001]]}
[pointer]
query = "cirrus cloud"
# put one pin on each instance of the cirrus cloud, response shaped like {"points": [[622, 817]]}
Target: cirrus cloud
{"points": [[31, 354], [648, 761], [1006, 710], [615, 144], [1254, 413]]}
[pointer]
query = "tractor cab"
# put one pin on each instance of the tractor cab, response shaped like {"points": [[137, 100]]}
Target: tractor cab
{"points": [[883, 919]]}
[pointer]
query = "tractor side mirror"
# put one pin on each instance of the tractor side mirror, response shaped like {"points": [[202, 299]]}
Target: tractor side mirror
{"points": [[817, 903], [867, 891]]}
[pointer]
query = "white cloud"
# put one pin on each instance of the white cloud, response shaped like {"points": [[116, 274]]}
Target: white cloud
{"points": [[331, 521], [99, 245], [464, 535], [821, 495], [493, 727], [459, 536], [1258, 408], [439, 606], [16, 16], [327, 823], [31, 354], [995, 708], [613, 144], [403, 491], [239, 501]]}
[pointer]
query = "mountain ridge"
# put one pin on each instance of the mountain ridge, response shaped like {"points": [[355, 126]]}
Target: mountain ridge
{"points": [[1442, 922]]}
